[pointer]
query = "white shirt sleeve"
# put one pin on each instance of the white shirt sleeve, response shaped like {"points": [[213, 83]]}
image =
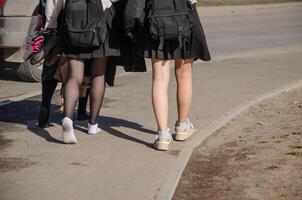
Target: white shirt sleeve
{"points": [[193, 1], [52, 11]]}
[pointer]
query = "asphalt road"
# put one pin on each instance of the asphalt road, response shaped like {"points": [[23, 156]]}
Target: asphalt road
{"points": [[244, 31]]}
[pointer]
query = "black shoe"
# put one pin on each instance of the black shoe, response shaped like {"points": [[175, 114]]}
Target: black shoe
{"points": [[43, 117]]}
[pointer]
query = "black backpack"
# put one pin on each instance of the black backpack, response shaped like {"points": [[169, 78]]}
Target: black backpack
{"points": [[85, 25], [170, 20]]}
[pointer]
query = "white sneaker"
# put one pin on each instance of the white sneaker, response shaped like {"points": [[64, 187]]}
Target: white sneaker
{"points": [[183, 130], [93, 129], [163, 140], [68, 132]]}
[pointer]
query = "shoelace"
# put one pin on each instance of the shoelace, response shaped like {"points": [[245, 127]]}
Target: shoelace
{"points": [[36, 44]]}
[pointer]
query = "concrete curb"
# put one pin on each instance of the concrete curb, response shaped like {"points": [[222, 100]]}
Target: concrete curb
{"points": [[168, 188]]}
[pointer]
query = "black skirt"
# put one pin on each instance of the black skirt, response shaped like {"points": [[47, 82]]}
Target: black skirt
{"points": [[109, 48], [195, 48]]}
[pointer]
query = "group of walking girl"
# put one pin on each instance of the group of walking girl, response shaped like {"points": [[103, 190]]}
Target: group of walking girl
{"points": [[91, 35]]}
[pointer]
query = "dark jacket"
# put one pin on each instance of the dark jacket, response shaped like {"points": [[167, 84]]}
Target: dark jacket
{"points": [[134, 18], [129, 59]]}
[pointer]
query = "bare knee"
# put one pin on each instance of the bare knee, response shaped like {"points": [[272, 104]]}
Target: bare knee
{"points": [[160, 70], [183, 69], [161, 77], [75, 80]]}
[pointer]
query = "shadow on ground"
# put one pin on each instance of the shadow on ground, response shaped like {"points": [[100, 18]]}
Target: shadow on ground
{"points": [[26, 113]]}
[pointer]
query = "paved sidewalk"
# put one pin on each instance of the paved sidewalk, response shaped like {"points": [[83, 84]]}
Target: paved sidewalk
{"points": [[121, 163]]}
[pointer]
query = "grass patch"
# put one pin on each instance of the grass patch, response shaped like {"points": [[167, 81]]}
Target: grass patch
{"points": [[240, 2]]}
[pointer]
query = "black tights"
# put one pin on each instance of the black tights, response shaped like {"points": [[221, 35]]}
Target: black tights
{"points": [[82, 104], [97, 90], [48, 88]]}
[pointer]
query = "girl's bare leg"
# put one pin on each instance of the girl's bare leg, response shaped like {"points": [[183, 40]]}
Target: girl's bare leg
{"points": [[183, 73], [160, 84]]}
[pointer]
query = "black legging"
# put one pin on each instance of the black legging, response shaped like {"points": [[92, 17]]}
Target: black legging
{"points": [[97, 90], [82, 106], [48, 89]]}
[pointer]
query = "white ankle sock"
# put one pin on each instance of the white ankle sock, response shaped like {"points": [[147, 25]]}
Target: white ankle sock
{"points": [[93, 129], [68, 132]]}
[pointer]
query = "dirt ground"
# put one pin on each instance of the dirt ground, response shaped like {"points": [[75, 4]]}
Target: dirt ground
{"points": [[258, 155]]}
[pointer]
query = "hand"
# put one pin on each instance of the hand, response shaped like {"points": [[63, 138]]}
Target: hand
{"points": [[40, 23]]}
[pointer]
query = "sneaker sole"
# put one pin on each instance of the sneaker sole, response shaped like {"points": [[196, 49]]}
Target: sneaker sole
{"points": [[93, 133], [161, 146], [183, 136]]}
